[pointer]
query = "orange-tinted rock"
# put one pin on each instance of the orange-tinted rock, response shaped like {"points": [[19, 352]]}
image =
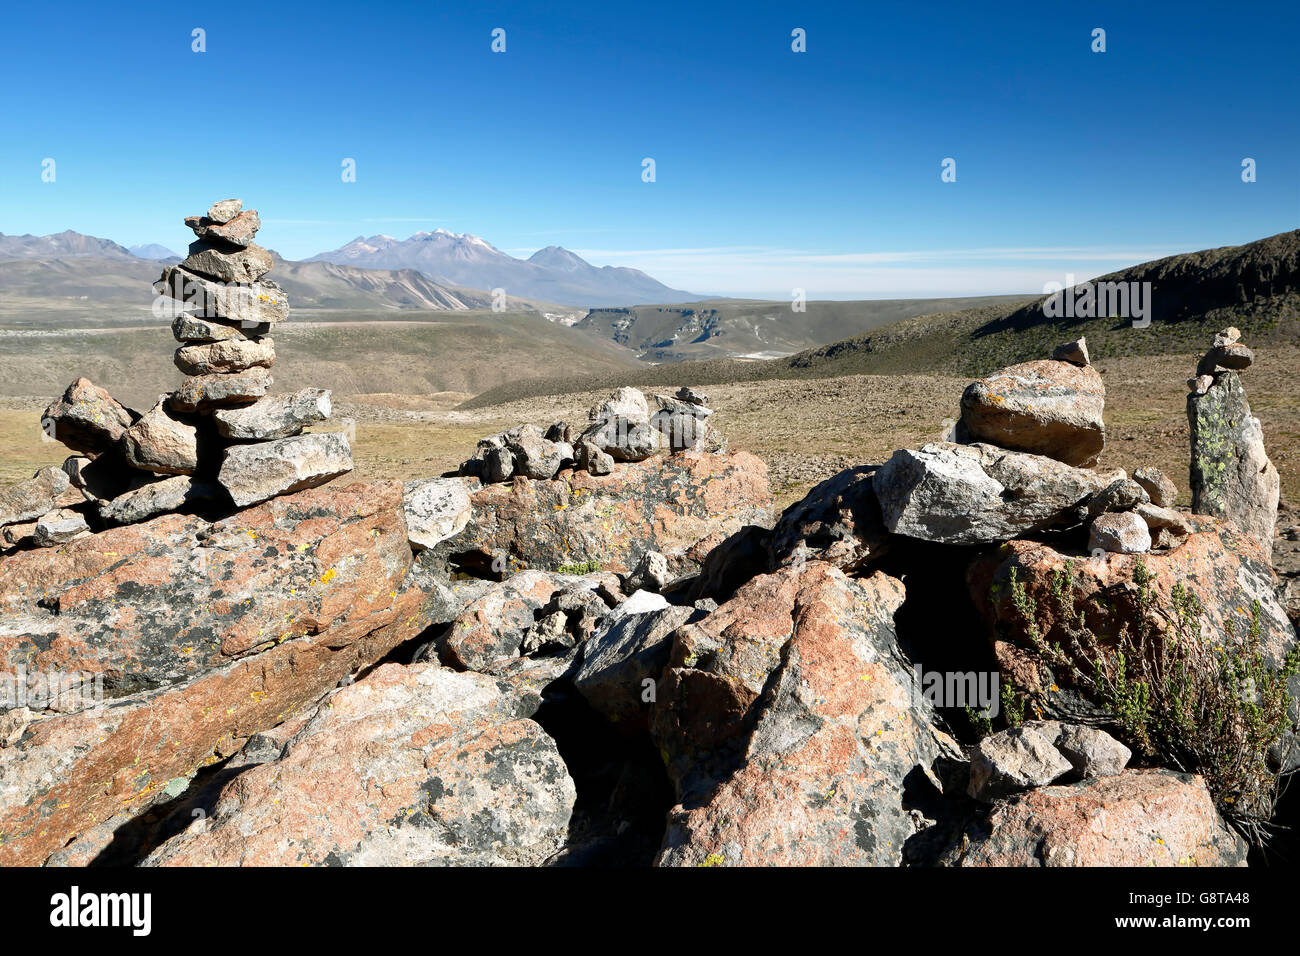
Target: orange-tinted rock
{"points": [[415, 765], [204, 633], [790, 721], [664, 504], [1045, 408], [1138, 818]]}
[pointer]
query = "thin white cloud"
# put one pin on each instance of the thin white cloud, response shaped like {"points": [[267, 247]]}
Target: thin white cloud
{"points": [[743, 270]]}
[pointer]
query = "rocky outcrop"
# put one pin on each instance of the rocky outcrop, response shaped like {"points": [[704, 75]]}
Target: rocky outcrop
{"points": [[1138, 818], [417, 765], [1231, 475], [200, 635], [610, 521], [790, 722]]}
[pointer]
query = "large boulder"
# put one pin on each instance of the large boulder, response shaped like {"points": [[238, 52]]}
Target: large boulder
{"points": [[790, 721], [1045, 408], [1231, 475], [1138, 818], [87, 418], [253, 473], [201, 634], [610, 521], [414, 765], [978, 494]]}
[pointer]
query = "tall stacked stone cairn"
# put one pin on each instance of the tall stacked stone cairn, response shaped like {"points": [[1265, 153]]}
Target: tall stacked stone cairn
{"points": [[218, 440], [1231, 475]]}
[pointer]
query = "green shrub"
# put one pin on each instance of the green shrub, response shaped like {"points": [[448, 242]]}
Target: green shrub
{"points": [[1213, 707], [582, 567]]}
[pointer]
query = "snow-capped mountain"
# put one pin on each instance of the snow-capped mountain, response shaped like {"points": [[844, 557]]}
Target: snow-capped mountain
{"points": [[552, 274]]}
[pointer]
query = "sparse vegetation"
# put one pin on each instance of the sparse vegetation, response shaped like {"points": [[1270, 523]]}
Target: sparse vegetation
{"points": [[581, 567], [1211, 705]]}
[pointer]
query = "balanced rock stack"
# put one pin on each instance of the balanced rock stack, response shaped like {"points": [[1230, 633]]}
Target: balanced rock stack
{"points": [[1231, 474], [218, 439], [1028, 443], [226, 352], [620, 429]]}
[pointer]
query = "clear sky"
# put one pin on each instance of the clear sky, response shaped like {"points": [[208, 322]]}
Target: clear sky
{"points": [[774, 169]]}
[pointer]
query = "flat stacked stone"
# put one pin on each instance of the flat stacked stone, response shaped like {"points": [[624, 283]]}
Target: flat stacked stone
{"points": [[218, 440]]}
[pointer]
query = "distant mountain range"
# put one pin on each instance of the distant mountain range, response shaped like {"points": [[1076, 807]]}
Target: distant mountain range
{"points": [[470, 266], [552, 274], [63, 245]]}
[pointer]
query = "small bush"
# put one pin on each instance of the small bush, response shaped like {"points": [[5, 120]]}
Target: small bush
{"points": [[1181, 699], [583, 567]]}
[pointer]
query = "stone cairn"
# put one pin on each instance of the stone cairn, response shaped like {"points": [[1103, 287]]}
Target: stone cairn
{"points": [[217, 440], [620, 429], [1024, 458], [1231, 474]]}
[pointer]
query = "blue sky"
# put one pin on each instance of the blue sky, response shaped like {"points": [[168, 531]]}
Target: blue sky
{"points": [[774, 169]]}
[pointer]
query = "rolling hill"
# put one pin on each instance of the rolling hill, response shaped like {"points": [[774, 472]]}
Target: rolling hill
{"points": [[738, 328], [1255, 287], [412, 353]]}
